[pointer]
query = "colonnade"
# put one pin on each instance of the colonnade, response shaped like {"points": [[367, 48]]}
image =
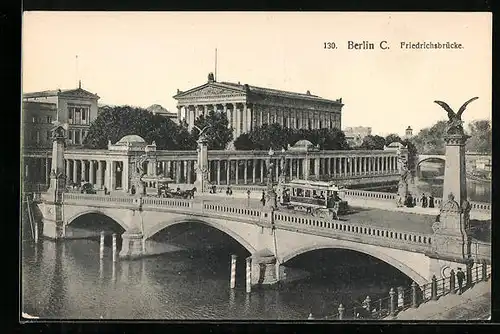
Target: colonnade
{"points": [[243, 117], [223, 168], [111, 174]]}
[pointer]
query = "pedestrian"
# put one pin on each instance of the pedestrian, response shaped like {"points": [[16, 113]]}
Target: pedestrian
{"points": [[460, 280], [263, 199], [105, 190], [414, 201], [431, 201], [424, 201], [132, 190]]}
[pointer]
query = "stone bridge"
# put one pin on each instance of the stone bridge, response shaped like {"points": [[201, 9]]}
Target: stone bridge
{"points": [[272, 237], [470, 158]]}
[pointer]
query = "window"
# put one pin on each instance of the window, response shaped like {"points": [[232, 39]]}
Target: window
{"points": [[320, 124], [70, 136], [38, 137], [77, 137], [296, 123], [70, 115], [48, 135], [84, 113], [49, 119], [309, 125]]}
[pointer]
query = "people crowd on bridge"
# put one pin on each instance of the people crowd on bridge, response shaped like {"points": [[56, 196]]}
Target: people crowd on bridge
{"points": [[426, 201]]}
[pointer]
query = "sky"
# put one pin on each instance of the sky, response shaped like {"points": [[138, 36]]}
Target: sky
{"points": [[142, 58]]}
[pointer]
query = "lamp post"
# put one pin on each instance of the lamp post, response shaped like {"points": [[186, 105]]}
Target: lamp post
{"points": [[271, 194]]}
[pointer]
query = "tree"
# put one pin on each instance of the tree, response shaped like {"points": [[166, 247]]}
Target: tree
{"points": [[219, 134], [276, 137], [431, 140], [244, 143], [113, 123], [389, 139], [481, 138], [373, 142]]}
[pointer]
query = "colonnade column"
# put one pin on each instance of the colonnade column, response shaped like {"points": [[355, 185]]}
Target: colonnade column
{"points": [[218, 165], [84, 168], [316, 167], [68, 176], [236, 169], [75, 171], [100, 166], [254, 167], [91, 172], [228, 171], [125, 179], [261, 171], [245, 171]]}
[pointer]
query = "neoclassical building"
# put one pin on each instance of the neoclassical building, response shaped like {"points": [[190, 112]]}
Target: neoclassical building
{"points": [[250, 106], [76, 107]]}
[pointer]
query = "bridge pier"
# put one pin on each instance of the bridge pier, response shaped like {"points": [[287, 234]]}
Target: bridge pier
{"points": [[264, 268], [132, 245]]}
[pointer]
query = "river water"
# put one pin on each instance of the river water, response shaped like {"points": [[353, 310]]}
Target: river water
{"points": [[67, 280], [428, 183]]}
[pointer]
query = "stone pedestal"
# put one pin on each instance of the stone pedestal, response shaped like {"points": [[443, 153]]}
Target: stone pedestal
{"points": [[132, 245], [202, 180], [264, 269]]}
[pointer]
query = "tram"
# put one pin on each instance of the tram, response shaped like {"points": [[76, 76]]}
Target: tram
{"points": [[324, 199]]}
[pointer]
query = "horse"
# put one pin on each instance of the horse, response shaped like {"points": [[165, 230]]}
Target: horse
{"points": [[189, 193]]}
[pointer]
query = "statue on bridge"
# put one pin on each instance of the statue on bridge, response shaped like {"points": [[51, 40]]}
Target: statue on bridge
{"points": [[455, 123], [201, 166], [404, 180]]}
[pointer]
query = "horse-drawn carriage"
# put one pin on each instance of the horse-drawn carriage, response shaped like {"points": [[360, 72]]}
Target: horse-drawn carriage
{"points": [[323, 199], [166, 192]]}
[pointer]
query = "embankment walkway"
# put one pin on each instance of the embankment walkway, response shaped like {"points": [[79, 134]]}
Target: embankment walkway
{"points": [[473, 304]]}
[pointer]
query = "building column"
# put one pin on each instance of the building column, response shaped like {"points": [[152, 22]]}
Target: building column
{"points": [[290, 168], [100, 166], [189, 172], [91, 172], [113, 174], [254, 166], [245, 171], [261, 171], [83, 170], [236, 168], [305, 168], [68, 176], [245, 119], [236, 121], [75, 171], [228, 171], [47, 171], [316, 167], [218, 167]]}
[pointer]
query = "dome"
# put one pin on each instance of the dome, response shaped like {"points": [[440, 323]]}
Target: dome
{"points": [[304, 146], [396, 144], [131, 139], [303, 143]]}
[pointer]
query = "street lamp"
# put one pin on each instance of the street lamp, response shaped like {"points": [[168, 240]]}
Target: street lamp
{"points": [[271, 195]]}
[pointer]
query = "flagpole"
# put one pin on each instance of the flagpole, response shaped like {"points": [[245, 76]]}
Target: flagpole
{"points": [[215, 77]]}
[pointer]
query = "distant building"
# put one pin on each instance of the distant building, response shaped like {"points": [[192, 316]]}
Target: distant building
{"points": [[355, 135], [248, 107], [157, 109], [408, 133], [77, 107]]}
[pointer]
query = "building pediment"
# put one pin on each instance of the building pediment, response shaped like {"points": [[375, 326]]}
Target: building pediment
{"points": [[210, 90], [78, 92]]}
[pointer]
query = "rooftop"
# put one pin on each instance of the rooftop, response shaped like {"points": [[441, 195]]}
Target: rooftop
{"points": [[61, 92], [245, 88]]}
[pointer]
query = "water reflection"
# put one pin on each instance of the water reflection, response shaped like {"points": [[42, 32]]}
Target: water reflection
{"points": [[477, 191], [68, 280]]}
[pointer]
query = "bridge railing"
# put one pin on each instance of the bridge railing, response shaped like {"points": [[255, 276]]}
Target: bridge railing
{"points": [[401, 299], [480, 250], [376, 195], [355, 231], [98, 198]]}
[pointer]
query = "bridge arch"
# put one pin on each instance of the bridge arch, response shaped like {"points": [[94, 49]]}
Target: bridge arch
{"points": [[401, 266], [110, 215], [161, 225]]}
